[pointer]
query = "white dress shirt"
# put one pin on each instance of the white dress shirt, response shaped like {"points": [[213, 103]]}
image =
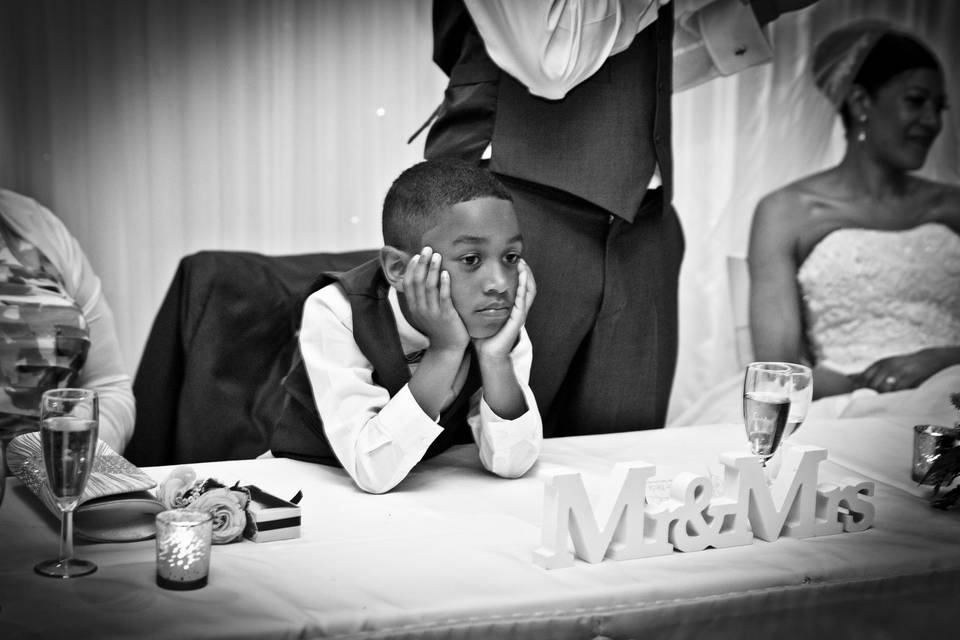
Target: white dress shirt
{"points": [[551, 46], [378, 439]]}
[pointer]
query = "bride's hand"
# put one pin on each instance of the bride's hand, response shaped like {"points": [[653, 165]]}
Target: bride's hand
{"points": [[906, 371]]}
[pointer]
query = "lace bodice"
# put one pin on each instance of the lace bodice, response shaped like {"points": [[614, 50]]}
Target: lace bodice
{"points": [[871, 294]]}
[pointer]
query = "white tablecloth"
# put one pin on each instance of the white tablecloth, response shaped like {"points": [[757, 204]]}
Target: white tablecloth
{"points": [[448, 554]]}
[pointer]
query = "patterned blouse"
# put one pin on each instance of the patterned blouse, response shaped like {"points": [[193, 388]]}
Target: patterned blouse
{"points": [[44, 333]]}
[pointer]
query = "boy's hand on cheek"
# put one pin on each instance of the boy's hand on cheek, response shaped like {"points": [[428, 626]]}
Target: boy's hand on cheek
{"points": [[502, 342], [427, 290]]}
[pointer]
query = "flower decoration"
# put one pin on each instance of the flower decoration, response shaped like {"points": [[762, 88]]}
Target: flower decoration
{"points": [[227, 505], [171, 490]]}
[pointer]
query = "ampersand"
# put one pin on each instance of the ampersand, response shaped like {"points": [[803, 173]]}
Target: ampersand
{"points": [[690, 530]]}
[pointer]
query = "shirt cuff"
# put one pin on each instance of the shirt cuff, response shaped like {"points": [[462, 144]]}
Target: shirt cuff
{"points": [[732, 36], [403, 423], [509, 448]]}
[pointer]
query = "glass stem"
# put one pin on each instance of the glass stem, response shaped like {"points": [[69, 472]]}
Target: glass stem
{"points": [[66, 535]]}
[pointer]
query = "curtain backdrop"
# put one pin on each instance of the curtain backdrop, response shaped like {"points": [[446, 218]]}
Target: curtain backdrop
{"points": [[156, 128]]}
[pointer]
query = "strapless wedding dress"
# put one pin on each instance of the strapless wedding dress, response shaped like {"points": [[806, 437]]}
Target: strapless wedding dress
{"points": [[871, 294]]}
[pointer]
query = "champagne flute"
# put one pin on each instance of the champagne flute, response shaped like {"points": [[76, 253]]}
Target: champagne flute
{"points": [[766, 406], [801, 395], [69, 420]]}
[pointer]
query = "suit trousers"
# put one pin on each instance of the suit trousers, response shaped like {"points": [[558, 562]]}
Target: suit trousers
{"points": [[604, 322]]}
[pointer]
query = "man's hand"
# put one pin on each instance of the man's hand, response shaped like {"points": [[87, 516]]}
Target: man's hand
{"points": [[427, 292], [502, 342]]}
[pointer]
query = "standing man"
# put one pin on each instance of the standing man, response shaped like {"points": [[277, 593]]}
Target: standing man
{"points": [[569, 103]]}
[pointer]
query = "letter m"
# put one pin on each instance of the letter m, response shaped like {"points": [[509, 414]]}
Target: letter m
{"points": [[568, 514], [788, 505]]}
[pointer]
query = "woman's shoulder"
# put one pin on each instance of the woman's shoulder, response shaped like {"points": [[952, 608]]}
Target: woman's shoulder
{"points": [[801, 194], [38, 225], [798, 215], [16, 207], [26, 215], [17, 204], [793, 205], [940, 202]]}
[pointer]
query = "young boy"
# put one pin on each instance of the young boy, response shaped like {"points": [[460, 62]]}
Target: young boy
{"points": [[424, 348]]}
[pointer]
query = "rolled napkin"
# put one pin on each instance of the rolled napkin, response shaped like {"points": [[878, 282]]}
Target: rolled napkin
{"points": [[227, 505]]}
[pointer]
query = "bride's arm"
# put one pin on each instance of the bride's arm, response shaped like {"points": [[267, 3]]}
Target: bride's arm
{"points": [[830, 382], [776, 312], [776, 322]]}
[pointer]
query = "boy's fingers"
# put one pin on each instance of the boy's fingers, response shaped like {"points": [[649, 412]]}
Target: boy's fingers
{"points": [[432, 282], [423, 265], [444, 287], [530, 285], [410, 279], [411, 266], [420, 265], [521, 296], [433, 270]]}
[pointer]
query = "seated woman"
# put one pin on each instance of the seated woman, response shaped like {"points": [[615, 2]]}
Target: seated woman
{"points": [[856, 269], [56, 328]]}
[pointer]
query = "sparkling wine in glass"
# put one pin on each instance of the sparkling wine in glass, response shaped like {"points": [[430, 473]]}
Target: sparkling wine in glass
{"points": [[766, 406], [69, 420], [801, 395]]}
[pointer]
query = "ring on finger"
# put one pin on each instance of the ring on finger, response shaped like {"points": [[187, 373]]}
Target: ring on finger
{"points": [[890, 381]]}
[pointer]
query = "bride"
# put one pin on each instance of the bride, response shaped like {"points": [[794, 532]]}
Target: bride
{"points": [[856, 270]]}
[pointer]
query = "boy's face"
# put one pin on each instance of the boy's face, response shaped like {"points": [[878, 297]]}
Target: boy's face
{"points": [[481, 247]]}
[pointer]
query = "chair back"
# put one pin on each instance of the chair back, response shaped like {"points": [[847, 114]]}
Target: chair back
{"points": [[208, 383]]}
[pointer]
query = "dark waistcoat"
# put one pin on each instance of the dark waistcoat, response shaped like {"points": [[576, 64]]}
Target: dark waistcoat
{"points": [[601, 142], [299, 431]]}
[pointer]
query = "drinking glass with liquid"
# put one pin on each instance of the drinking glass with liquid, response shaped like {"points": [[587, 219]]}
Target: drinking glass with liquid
{"points": [[766, 406], [69, 421]]}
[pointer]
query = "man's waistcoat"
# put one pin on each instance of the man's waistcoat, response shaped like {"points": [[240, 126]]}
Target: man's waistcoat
{"points": [[601, 142], [299, 431]]}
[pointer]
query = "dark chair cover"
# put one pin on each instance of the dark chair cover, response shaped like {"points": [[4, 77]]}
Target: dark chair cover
{"points": [[208, 383]]}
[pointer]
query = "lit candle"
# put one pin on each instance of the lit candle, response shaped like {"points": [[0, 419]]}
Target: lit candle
{"points": [[929, 443], [183, 548]]}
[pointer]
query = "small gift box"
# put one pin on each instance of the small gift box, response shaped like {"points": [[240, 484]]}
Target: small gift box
{"points": [[271, 518]]}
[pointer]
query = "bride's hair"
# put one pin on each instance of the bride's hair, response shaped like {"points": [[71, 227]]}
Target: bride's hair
{"points": [[893, 54], [868, 54]]}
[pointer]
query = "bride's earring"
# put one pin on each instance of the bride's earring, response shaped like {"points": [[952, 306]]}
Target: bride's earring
{"points": [[862, 133]]}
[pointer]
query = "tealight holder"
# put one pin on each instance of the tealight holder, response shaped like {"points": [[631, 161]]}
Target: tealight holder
{"points": [[183, 548], [930, 441]]}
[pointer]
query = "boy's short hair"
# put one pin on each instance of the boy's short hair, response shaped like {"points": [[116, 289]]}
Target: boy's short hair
{"points": [[424, 191]]}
